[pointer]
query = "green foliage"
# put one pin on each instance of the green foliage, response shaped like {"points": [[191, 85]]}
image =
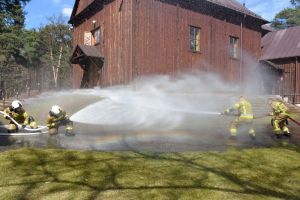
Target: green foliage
{"points": [[264, 173], [32, 49], [288, 17], [33, 53], [295, 3], [56, 42], [12, 18]]}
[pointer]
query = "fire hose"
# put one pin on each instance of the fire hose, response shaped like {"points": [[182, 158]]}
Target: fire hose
{"points": [[296, 122], [293, 120], [20, 126]]}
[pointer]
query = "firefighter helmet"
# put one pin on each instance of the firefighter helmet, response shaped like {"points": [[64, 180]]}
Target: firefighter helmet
{"points": [[16, 104], [55, 110]]}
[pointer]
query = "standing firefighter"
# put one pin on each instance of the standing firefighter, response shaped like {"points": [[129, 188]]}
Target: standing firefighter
{"points": [[243, 110], [57, 117], [17, 112], [280, 117]]}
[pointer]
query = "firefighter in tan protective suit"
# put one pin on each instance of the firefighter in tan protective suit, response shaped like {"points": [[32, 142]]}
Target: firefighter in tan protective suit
{"points": [[58, 117], [243, 110], [17, 112], [280, 117]]}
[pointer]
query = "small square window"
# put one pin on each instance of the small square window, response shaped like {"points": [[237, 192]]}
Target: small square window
{"points": [[96, 36], [194, 38], [87, 38], [233, 47]]}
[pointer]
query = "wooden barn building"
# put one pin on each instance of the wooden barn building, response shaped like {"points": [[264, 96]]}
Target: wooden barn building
{"points": [[116, 41], [282, 50]]}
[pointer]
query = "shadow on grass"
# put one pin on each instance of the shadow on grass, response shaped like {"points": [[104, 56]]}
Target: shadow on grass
{"points": [[56, 171], [4, 140]]}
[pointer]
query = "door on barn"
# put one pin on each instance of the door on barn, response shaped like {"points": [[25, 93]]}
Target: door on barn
{"points": [[91, 62]]}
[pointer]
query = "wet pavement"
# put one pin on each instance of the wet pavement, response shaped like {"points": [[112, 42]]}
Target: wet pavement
{"points": [[101, 138], [193, 133]]}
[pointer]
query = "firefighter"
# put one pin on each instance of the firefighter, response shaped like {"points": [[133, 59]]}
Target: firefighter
{"points": [[244, 113], [58, 117], [279, 117], [17, 112]]}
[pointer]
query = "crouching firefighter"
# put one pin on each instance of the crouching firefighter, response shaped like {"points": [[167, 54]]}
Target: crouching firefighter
{"points": [[18, 113], [58, 117], [280, 117], [244, 113]]}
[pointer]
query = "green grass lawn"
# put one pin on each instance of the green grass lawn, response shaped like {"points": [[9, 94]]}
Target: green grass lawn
{"points": [[266, 173]]}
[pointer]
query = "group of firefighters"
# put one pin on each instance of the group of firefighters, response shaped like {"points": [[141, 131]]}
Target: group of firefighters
{"points": [[242, 109], [18, 116]]}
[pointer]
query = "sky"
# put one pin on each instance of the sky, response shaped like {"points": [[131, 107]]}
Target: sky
{"points": [[39, 10]]}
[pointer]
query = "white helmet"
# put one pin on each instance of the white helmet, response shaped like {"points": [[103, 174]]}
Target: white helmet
{"points": [[16, 104], [55, 110]]}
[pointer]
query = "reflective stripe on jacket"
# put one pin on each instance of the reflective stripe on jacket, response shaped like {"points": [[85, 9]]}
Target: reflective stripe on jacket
{"points": [[280, 110], [21, 117], [53, 121], [245, 109]]}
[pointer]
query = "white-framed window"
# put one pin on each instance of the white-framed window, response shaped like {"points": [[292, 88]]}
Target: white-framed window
{"points": [[87, 38], [233, 47], [96, 36], [195, 33]]}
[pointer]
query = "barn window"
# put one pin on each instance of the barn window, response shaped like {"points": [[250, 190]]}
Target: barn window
{"points": [[87, 38], [96, 36], [194, 38], [233, 47]]}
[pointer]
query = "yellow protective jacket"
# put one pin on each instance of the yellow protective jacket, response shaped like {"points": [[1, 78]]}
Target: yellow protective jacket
{"points": [[280, 110], [54, 121], [244, 109], [21, 117]]}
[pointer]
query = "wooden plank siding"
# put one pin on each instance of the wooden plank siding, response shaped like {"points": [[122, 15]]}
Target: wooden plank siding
{"points": [[162, 41], [115, 41], [147, 37], [291, 78]]}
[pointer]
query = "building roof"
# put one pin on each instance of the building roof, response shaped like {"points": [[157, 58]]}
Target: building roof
{"points": [[90, 51], [230, 4], [83, 51], [281, 44], [271, 64], [268, 28], [235, 5]]}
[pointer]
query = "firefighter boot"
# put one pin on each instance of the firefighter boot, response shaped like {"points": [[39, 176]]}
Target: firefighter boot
{"points": [[286, 132], [252, 134], [69, 131], [53, 131]]}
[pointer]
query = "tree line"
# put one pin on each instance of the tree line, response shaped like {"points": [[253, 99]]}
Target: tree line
{"points": [[39, 58], [36, 58], [288, 17]]}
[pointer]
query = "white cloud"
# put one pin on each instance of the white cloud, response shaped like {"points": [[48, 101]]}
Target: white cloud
{"points": [[67, 11]]}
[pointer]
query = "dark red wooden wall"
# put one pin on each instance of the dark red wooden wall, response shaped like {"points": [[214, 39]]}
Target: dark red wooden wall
{"points": [[291, 78], [143, 37]]}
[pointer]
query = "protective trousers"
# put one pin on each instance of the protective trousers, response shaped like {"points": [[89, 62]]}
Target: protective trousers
{"points": [[280, 124], [65, 122], [240, 122]]}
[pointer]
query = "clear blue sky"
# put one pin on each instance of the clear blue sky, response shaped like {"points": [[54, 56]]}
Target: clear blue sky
{"points": [[39, 10]]}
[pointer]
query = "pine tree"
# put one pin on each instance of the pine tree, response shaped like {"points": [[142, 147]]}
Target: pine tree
{"points": [[288, 17], [12, 18]]}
